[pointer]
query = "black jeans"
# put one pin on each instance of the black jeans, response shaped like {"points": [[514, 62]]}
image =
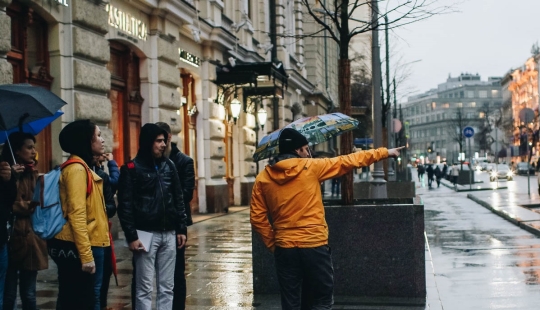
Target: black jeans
{"points": [[306, 277], [75, 287], [179, 299], [107, 273]]}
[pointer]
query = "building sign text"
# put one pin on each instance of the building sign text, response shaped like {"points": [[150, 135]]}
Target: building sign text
{"points": [[189, 58], [127, 23]]}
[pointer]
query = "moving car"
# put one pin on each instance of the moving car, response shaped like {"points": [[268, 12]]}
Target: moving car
{"points": [[523, 167], [501, 171]]}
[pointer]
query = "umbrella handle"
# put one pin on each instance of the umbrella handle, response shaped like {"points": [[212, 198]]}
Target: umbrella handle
{"points": [[10, 148]]}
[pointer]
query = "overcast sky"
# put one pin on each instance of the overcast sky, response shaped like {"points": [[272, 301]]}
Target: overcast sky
{"points": [[488, 37]]}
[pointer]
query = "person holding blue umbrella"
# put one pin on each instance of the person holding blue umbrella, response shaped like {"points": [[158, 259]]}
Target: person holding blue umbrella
{"points": [[27, 252]]}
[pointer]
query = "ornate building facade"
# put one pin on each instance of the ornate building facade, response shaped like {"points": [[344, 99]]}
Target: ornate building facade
{"points": [[126, 63]]}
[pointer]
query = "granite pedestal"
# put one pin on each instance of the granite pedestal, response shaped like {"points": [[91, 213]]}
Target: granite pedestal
{"points": [[405, 189], [377, 251]]}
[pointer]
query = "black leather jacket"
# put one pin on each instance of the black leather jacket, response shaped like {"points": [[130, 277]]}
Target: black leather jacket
{"points": [[186, 173], [150, 194]]}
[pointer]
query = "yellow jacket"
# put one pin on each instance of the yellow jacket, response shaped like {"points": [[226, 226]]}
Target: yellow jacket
{"points": [[289, 193], [87, 223]]}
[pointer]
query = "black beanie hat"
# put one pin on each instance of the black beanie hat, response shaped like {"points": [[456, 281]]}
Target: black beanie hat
{"points": [[290, 140], [76, 139]]}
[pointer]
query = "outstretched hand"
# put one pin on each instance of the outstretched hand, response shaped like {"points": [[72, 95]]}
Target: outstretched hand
{"points": [[395, 151]]}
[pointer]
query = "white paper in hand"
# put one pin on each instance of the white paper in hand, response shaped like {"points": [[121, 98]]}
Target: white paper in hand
{"points": [[145, 238]]}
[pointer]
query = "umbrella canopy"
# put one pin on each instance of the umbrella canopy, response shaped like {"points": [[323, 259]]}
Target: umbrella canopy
{"points": [[316, 129], [23, 103], [34, 127]]}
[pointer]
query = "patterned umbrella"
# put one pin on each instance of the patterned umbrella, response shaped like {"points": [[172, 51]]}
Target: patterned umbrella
{"points": [[316, 129]]}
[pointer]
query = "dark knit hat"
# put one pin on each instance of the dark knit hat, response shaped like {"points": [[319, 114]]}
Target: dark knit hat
{"points": [[76, 139], [290, 140]]}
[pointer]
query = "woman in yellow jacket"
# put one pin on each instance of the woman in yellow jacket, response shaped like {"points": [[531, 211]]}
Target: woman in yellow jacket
{"points": [[78, 250], [288, 191]]}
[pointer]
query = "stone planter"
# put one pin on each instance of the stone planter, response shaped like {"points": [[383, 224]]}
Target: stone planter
{"points": [[378, 251]]}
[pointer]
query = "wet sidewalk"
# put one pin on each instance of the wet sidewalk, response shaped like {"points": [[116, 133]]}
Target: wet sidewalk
{"points": [[472, 257]]}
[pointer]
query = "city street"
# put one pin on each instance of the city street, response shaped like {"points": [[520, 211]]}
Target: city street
{"points": [[480, 261]]}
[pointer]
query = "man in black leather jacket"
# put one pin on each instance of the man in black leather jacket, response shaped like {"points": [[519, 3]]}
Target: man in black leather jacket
{"points": [[152, 215], [186, 173]]}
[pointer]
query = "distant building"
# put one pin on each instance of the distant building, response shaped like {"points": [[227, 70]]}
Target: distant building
{"points": [[520, 93], [435, 119]]}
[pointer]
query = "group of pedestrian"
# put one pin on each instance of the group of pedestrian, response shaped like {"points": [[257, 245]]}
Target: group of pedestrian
{"points": [[433, 174], [288, 213], [154, 191]]}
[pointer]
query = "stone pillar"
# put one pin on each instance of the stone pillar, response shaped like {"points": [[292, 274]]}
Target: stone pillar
{"points": [[6, 70], [248, 168], [91, 79], [168, 82]]}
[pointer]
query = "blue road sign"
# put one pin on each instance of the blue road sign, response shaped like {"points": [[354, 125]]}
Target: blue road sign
{"points": [[468, 132]]}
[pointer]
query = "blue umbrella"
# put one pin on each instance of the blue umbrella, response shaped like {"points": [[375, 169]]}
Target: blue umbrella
{"points": [[34, 127], [21, 104]]}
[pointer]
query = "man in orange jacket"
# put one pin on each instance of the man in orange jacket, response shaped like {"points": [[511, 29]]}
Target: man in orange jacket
{"points": [[289, 191]]}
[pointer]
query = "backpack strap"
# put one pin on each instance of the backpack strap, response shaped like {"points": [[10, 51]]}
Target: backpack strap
{"points": [[88, 172]]}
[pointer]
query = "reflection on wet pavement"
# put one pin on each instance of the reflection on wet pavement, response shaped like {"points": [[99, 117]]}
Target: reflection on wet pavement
{"points": [[481, 261]]}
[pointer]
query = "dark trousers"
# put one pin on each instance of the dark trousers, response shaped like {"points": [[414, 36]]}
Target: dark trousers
{"points": [[107, 273], [306, 277], [26, 280], [75, 287], [179, 299]]}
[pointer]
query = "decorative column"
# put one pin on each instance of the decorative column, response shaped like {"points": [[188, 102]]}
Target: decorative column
{"points": [[90, 55], [6, 70]]}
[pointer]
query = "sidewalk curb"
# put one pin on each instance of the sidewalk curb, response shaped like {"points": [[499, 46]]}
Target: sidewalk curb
{"points": [[505, 215], [473, 189]]}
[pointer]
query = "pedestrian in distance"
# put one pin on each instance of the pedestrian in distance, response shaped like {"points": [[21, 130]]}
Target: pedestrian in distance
{"points": [[438, 175], [27, 252], [287, 191], [152, 215], [78, 249], [455, 174], [421, 170], [336, 182], [8, 192], [444, 170], [430, 174], [110, 205], [186, 174]]}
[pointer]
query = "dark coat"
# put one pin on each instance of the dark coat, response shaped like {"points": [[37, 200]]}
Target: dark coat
{"points": [[26, 250], [438, 173], [108, 193], [8, 193], [150, 196], [186, 173], [430, 171]]}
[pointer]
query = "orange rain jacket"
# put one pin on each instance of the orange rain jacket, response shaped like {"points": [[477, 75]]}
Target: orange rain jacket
{"points": [[289, 193]]}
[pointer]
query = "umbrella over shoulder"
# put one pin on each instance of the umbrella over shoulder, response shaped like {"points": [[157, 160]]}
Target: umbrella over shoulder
{"points": [[316, 129]]}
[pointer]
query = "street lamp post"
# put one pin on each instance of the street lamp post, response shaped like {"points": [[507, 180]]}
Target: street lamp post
{"points": [[378, 184]]}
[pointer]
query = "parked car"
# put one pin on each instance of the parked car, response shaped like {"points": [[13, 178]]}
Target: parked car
{"points": [[523, 167], [501, 171]]}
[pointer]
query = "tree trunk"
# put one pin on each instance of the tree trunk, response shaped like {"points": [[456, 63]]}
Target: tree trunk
{"points": [[344, 89], [385, 144]]}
